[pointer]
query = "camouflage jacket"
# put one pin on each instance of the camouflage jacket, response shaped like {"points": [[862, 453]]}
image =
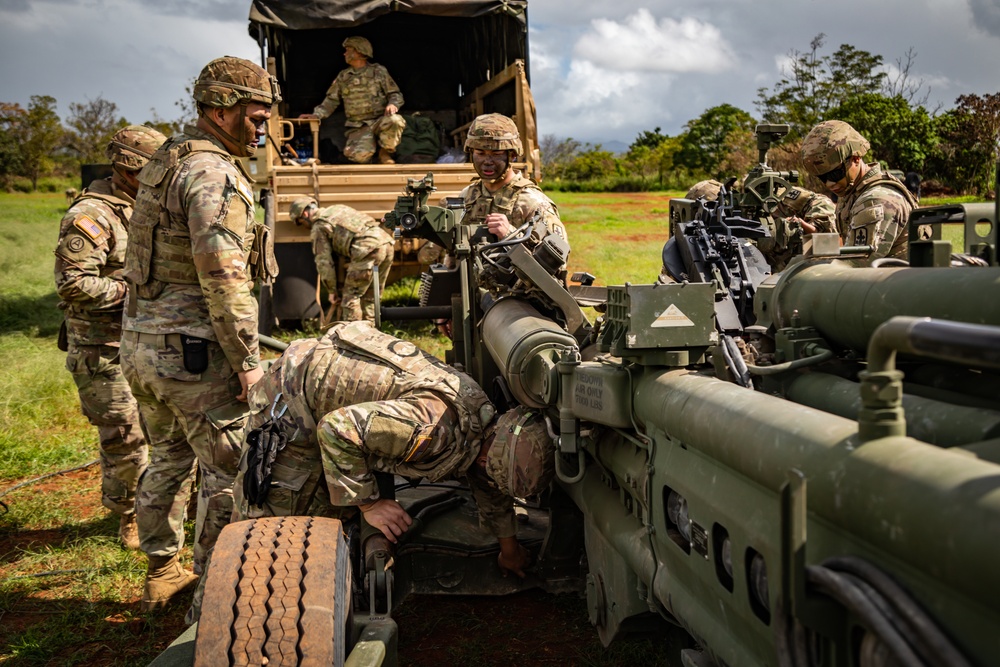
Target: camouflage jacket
{"points": [[365, 92], [194, 248], [355, 363], [90, 258], [787, 234], [334, 230], [875, 212], [520, 200]]}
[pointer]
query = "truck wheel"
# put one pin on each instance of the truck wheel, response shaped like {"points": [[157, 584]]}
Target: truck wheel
{"points": [[277, 592]]}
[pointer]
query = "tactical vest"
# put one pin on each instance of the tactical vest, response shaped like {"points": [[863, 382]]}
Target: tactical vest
{"points": [[342, 225], [159, 251], [477, 207], [401, 368], [891, 182], [362, 94]]}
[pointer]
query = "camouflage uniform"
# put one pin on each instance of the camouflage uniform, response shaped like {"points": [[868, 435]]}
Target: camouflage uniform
{"points": [[90, 256], [193, 255], [875, 208], [360, 401], [875, 212], [788, 234], [365, 93], [344, 232]]}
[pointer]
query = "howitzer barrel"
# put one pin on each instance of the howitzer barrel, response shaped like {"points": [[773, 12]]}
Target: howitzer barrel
{"points": [[935, 510], [846, 304]]}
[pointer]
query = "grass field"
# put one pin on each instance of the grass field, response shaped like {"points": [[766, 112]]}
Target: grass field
{"points": [[68, 593]]}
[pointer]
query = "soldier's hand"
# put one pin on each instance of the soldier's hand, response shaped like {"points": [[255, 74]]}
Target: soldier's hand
{"points": [[513, 557], [807, 227], [499, 225], [247, 380], [390, 109], [388, 516]]}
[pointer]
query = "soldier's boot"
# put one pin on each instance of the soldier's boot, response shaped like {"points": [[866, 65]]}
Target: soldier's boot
{"points": [[165, 580], [128, 531], [385, 156]]}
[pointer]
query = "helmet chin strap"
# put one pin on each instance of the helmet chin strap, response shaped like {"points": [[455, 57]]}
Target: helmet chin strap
{"points": [[507, 170], [242, 143]]}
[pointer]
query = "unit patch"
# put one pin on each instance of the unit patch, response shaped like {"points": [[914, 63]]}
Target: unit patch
{"points": [[76, 244], [94, 231]]}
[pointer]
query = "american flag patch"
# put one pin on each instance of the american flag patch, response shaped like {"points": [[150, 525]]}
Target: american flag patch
{"points": [[90, 228]]}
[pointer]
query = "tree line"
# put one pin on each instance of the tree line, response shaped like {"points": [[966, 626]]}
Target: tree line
{"points": [[954, 151], [36, 145]]}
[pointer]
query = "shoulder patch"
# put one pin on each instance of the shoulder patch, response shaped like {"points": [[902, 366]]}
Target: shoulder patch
{"points": [[245, 192], [93, 231], [793, 194]]}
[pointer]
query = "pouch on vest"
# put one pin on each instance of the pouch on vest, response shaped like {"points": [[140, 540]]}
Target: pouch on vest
{"points": [[195, 354], [263, 265]]}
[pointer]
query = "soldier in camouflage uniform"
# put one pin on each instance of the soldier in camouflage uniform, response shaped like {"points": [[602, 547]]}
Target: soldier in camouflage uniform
{"points": [[90, 257], [502, 198], [341, 231], [872, 206], [799, 213], [371, 99], [189, 347], [360, 401]]}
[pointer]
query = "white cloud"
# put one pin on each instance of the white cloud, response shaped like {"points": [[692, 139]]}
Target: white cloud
{"points": [[642, 44]]}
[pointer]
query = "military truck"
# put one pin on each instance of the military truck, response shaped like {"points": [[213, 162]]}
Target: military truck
{"points": [[795, 469], [453, 60]]}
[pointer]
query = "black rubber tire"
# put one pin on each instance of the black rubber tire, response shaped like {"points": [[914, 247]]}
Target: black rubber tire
{"points": [[277, 592]]}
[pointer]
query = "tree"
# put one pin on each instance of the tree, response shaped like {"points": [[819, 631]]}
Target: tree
{"points": [[703, 144], [91, 126], [966, 156], [902, 136], [592, 163], [11, 157], [648, 139], [557, 154], [39, 136]]}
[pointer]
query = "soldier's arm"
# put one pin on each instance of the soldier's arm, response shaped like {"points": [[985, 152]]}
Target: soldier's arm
{"points": [[218, 215], [330, 103], [392, 93], [532, 204], [79, 260], [326, 262], [885, 220], [820, 213], [496, 509]]}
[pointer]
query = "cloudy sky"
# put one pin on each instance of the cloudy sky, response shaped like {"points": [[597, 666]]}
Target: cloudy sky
{"points": [[602, 70]]}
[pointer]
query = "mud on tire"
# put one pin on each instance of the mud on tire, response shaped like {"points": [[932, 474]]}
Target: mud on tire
{"points": [[277, 592]]}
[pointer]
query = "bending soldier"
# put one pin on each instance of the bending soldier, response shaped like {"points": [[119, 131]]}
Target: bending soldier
{"points": [[341, 231], [360, 401], [872, 207], [371, 101], [90, 258], [189, 349]]}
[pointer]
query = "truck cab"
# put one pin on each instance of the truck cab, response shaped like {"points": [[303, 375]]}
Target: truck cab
{"points": [[452, 61]]}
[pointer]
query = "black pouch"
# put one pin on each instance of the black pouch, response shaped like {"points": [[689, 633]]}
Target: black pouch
{"points": [[263, 444], [62, 342], [195, 354]]}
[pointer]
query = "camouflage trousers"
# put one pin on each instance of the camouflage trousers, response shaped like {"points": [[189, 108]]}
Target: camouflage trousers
{"points": [[361, 142], [414, 436], [358, 294], [188, 418], [108, 404]]}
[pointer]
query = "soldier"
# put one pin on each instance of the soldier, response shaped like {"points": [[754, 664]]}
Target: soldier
{"points": [[799, 213], [342, 231], [360, 401], [371, 99], [872, 207], [90, 257], [189, 348]]}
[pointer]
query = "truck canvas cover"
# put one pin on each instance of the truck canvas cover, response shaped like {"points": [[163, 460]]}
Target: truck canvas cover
{"points": [[313, 14]]}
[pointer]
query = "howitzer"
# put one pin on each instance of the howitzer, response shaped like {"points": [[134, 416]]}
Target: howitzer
{"points": [[840, 508]]}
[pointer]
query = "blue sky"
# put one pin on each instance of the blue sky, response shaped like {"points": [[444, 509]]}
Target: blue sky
{"points": [[601, 71]]}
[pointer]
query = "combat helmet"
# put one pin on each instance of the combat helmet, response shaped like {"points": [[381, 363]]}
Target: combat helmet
{"points": [[708, 189], [359, 44], [493, 132], [521, 461], [830, 144], [299, 205], [227, 81], [131, 147]]}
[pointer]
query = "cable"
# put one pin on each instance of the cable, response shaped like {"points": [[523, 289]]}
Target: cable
{"points": [[45, 476]]}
